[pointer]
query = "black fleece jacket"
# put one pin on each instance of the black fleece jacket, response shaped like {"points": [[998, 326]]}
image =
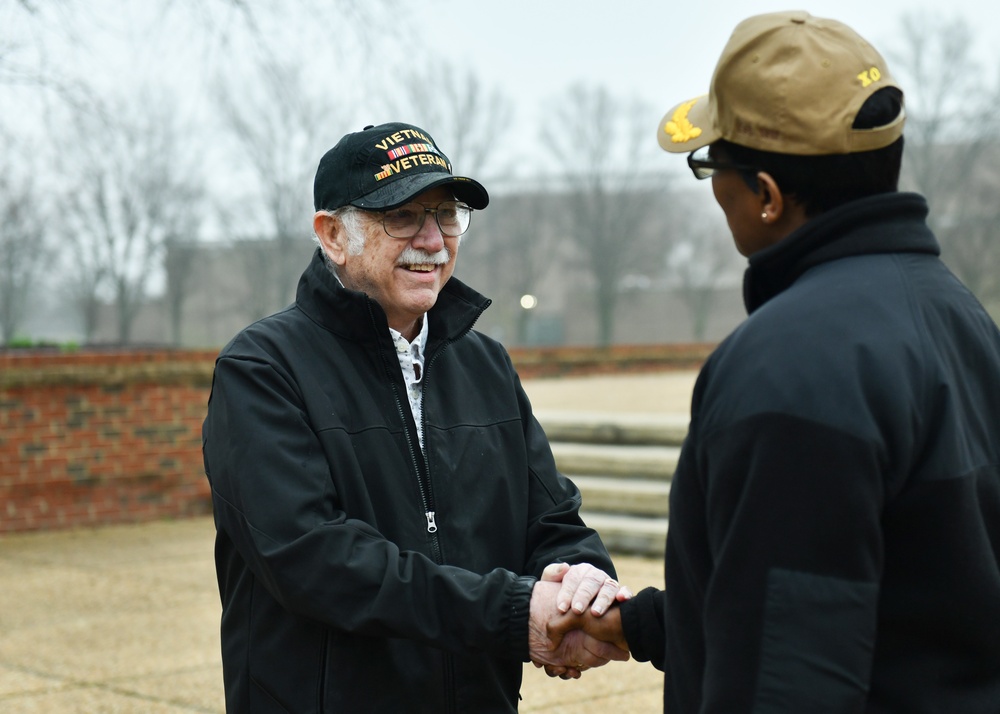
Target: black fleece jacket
{"points": [[835, 515], [337, 595]]}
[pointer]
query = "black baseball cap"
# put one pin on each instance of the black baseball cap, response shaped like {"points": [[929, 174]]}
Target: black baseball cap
{"points": [[385, 166]]}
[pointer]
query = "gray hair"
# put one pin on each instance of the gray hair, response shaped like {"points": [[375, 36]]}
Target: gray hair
{"points": [[354, 230]]}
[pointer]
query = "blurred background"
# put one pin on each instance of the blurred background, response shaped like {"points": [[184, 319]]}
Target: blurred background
{"points": [[156, 167], [156, 158]]}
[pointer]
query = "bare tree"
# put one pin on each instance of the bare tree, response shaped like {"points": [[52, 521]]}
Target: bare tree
{"points": [[701, 260], [134, 190], [180, 254], [601, 144], [951, 111], [503, 253], [84, 284], [466, 118], [25, 31], [953, 125], [24, 243], [510, 253], [970, 239], [280, 133], [28, 28], [47, 60]]}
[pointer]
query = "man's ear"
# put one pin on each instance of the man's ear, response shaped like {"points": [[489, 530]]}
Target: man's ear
{"points": [[329, 231], [779, 210], [772, 200]]}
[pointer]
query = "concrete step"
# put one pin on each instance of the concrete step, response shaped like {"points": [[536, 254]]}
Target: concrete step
{"points": [[634, 497], [636, 461], [622, 464], [608, 428], [625, 535]]}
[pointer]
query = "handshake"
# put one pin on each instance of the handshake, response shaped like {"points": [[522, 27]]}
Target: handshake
{"points": [[574, 623]]}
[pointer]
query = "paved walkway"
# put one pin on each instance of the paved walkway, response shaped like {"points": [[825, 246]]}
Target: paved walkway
{"points": [[125, 619]]}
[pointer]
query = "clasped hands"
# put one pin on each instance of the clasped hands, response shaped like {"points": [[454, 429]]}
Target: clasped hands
{"points": [[574, 623]]}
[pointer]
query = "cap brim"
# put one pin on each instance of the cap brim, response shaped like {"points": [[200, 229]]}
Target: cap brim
{"points": [[407, 188], [688, 126]]}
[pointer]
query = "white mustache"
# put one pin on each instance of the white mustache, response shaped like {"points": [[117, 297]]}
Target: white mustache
{"points": [[415, 256]]}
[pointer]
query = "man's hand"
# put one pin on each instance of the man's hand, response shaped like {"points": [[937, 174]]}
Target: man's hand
{"points": [[606, 628], [574, 651], [583, 585]]}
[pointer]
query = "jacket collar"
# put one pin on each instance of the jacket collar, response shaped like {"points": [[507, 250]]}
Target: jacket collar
{"points": [[886, 223], [357, 317]]}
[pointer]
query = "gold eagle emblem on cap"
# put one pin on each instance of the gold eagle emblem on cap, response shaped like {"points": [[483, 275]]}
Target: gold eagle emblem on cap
{"points": [[679, 128]]}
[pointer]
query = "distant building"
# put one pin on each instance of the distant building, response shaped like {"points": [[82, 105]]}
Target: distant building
{"points": [[229, 285]]}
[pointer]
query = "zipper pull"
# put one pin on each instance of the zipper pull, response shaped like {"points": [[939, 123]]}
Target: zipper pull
{"points": [[431, 525]]}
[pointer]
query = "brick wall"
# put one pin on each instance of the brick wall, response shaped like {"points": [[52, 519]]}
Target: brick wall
{"points": [[94, 437], [91, 437], [548, 362]]}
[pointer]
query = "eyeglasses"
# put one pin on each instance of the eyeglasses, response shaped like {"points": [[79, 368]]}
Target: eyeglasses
{"points": [[453, 218], [703, 165]]}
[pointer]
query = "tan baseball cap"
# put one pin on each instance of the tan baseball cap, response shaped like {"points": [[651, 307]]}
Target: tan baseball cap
{"points": [[790, 83]]}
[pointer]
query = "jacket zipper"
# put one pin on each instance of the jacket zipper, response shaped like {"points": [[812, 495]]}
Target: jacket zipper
{"points": [[448, 664], [323, 674], [449, 659], [424, 484], [423, 481], [423, 476], [426, 491]]}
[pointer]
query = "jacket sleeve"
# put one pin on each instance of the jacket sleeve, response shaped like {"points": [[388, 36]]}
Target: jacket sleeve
{"points": [[792, 512], [556, 532], [275, 501], [644, 628]]}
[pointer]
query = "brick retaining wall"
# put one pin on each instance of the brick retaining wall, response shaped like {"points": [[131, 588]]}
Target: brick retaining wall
{"points": [[94, 438], [100, 437]]}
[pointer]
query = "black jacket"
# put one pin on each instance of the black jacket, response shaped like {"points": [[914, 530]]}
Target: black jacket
{"points": [[834, 535], [336, 596]]}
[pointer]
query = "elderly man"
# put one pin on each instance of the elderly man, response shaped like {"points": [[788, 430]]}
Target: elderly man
{"points": [[835, 515], [386, 504]]}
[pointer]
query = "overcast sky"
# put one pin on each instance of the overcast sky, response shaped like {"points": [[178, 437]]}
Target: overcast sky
{"points": [[656, 51], [661, 51]]}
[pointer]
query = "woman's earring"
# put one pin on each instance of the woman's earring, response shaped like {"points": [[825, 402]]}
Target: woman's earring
{"points": [[764, 217]]}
